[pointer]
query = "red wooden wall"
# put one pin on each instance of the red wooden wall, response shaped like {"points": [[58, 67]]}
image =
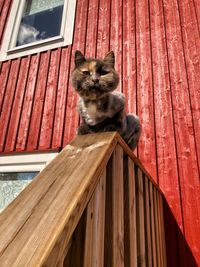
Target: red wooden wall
{"points": [[157, 44]]}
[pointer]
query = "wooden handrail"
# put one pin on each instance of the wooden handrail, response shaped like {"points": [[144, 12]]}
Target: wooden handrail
{"points": [[74, 208]]}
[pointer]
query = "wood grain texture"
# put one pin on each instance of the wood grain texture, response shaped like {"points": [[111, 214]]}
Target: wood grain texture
{"points": [[148, 222], [45, 212], [8, 101], [38, 104], [5, 68], [4, 16], [145, 103], [118, 207], [60, 109], [164, 121], [153, 233], [130, 228], [141, 239], [103, 34], [17, 105], [157, 55], [95, 223], [184, 127], [22, 134], [48, 119], [116, 37]]}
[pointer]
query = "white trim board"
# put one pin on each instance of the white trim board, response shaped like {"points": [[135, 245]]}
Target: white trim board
{"points": [[25, 162]]}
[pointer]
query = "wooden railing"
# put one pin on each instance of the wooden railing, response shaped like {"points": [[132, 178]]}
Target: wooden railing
{"points": [[93, 205]]}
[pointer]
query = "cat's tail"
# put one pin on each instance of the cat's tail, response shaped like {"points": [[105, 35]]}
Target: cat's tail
{"points": [[133, 131]]}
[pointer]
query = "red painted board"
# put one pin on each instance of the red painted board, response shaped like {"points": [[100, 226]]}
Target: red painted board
{"points": [[166, 147], [147, 145], [129, 56], [191, 47], [4, 74], [63, 82], [91, 30], [50, 101], [184, 129], [116, 38], [39, 99], [197, 13], [17, 105], [27, 105], [103, 34], [4, 17], [8, 101]]}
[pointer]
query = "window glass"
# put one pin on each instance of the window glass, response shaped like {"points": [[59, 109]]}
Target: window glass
{"points": [[11, 184], [41, 20]]}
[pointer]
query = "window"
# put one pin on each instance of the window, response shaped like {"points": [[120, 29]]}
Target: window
{"points": [[17, 171], [37, 25]]}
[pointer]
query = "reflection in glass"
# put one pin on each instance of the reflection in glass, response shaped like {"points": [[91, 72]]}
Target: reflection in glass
{"points": [[41, 19], [11, 184]]}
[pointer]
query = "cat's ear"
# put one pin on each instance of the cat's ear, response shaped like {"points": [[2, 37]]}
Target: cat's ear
{"points": [[110, 59], [79, 58]]}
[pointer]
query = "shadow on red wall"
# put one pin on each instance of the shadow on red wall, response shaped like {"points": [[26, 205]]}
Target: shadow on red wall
{"points": [[178, 252]]}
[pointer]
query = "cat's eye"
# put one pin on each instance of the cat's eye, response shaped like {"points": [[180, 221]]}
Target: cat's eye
{"points": [[86, 72], [104, 72]]}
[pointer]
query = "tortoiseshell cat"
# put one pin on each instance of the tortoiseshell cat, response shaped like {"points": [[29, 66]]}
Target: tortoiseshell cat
{"points": [[99, 107]]}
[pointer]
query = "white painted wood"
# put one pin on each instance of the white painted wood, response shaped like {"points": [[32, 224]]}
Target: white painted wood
{"points": [[25, 162]]}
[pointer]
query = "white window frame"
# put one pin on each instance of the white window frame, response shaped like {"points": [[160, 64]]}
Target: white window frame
{"points": [[8, 51], [25, 162]]}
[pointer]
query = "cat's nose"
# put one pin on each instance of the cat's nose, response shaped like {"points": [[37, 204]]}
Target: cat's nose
{"points": [[95, 79]]}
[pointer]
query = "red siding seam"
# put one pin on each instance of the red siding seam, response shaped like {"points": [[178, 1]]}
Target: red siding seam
{"points": [[3, 81], [8, 102], [22, 136], [193, 87], [4, 17], [17, 105], [67, 86], [56, 96], [39, 99]]}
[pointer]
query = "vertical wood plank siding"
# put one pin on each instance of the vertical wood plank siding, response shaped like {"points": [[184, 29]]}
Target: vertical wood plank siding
{"points": [[157, 46]]}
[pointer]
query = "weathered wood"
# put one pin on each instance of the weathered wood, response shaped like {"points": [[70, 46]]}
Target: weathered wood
{"points": [[162, 224], [157, 232], [24, 123], [118, 207], [17, 105], [50, 101], [140, 220], [148, 223], [145, 101], [130, 230], [108, 244], [38, 104], [6, 109], [94, 241], [53, 202], [154, 253], [165, 142], [75, 254]]}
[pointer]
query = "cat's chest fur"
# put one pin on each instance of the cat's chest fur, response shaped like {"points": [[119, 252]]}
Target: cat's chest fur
{"points": [[94, 112]]}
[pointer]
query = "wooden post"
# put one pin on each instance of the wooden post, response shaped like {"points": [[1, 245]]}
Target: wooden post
{"points": [[140, 220], [118, 207], [94, 240]]}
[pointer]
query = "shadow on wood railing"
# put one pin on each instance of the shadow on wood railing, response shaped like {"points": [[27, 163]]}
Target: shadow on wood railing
{"points": [[93, 205]]}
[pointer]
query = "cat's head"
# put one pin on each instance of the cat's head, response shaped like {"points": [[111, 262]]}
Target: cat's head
{"points": [[93, 78]]}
